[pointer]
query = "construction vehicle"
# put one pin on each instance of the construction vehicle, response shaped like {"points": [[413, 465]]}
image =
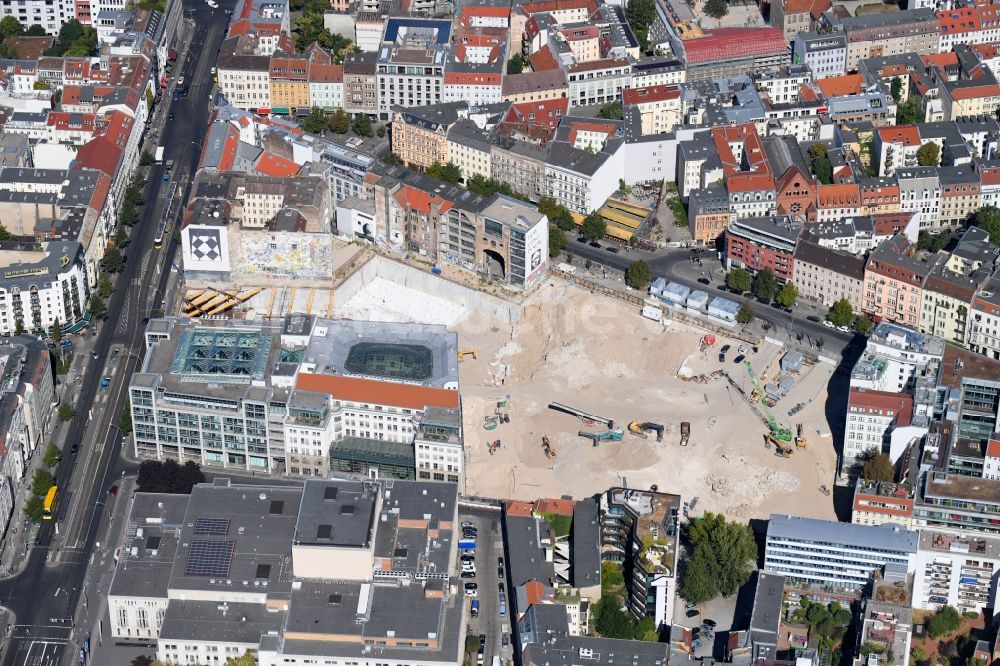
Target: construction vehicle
{"points": [[494, 446], [784, 434], [800, 441], [467, 352], [771, 439], [606, 436], [491, 422], [501, 410], [639, 429], [550, 451], [782, 451], [584, 416], [685, 432]]}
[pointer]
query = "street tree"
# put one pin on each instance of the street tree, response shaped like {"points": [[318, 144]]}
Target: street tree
{"points": [[745, 314], [862, 324], [638, 274], [104, 286], [36, 30], [988, 219], [113, 261], [929, 154], [557, 241], [42, 481], [722, 557], [97, 307], [10, 27], [841, 313], [66, 412], [52, 455], [362, 125], [4, 234], [765, 285], [340, 121], [33, 508], [739, 280], [315, 122], [878, 467], [55, 331], [594, 227], [146, 159], [787, 295], [716, 8]]}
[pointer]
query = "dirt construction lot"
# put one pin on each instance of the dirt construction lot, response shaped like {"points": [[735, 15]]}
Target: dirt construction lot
{"points": [[598, 355]]}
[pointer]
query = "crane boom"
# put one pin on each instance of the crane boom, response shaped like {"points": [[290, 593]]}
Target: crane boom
{"points": [[784, 434]]}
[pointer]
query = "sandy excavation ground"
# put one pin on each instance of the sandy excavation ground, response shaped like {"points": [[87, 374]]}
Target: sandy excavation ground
{"points": [[598, 355]]}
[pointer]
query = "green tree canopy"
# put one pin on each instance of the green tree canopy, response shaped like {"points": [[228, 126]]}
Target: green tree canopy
{"points": [[52, 455], [944, 622], [896, 89], [716, 8], [641, 14], [66, 412], [113, 261], [557, 241], [638, 274], [33, 508], [611, 111], [42, 481], [516, 64], [787, 295], [98, 308], [594, 227], [35, 30], [878, 467], [910, 112], [841, 313], [988, 219], [339, 121], [745, 314], [929, 154], [449, 173], [315, 122], [822, 169], [167, 476], [765, 285], [862, 324], [362, 125], [739, 280], [10, 27], [722, 558]]}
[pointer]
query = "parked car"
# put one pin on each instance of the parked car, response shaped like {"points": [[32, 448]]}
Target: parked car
{"points": [[612, 249], [505, 639], [74, 449], [813, 318], [844, 329], [704, 280], [724, 349], [474, 611], [829, 324], [708, 623], [499, 561], [467, 523], [468, 574], [113, 491], [471, 589]]}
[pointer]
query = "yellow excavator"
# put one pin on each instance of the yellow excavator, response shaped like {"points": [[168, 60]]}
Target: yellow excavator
{"points": [[466, 352], [800, 441], [550, 451]]}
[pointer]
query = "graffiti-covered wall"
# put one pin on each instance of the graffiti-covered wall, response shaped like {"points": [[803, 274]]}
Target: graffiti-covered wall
{"points": [[285, 254]]}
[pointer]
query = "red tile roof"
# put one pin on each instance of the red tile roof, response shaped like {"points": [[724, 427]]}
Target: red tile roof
{"points": [[734, 44], [838, 86], [543, 59], [413, 199], [973, 92], [559, 507], [899, 405], [993, 449], [270, 164], [518, 508], [908, 135], [375, 392], [814, 7], [650, 94]]}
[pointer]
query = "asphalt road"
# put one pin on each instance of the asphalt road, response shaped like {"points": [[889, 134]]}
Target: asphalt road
{"points": [[676, 266], [489, 546], [45, 594]]}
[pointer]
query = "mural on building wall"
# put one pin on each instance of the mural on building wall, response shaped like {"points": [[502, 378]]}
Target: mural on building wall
{"points": [[288, 255]]}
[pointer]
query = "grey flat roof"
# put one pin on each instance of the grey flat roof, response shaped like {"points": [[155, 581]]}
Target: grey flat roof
{"points": [[145, 561], [574, 650], [212, 621], [525, 555], [336, 513], [767, 600], [885, 537]]}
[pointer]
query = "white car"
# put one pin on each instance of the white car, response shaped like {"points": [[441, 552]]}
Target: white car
{"points": [[843, 329], [829, 324]]}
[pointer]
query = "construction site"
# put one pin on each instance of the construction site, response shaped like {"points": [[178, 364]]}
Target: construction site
{"points": [[581, 393]]}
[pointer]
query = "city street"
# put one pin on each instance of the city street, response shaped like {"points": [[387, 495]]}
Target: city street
{"points": [[676, 266], [44, 633]]}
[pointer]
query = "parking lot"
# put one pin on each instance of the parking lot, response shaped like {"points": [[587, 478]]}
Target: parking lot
{"points": [[489, 546]]}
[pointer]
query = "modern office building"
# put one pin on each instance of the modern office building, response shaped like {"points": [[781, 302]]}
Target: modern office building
{"points": [[411, 63], [297, 397], [838, 555], [958, 504], [330, 572]]}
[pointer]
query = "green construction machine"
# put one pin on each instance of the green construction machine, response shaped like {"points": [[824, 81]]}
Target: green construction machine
{"points": [[784, 434]]}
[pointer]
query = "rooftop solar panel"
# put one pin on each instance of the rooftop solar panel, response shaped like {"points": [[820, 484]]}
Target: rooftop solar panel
{"points": [[209, 558], [211, 526]]}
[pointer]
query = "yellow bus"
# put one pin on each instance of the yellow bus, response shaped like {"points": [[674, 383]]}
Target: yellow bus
{"points": [[49, 508]]}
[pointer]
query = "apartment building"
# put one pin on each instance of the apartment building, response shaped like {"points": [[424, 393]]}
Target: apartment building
{"points": [[244, 74], [201, 588], [887, 619], [584, 163], [894, 280], [824, 53], [289, 83], [411, 63], [879, 502], [46, 13], [520, 164], [535, 86], [969, 98], [475, 68], [420, 134], [871, 418], [827, 276], [961, 571], [727, 52], [469, 149], [958, 504], [361, 83], [708, 214], [896, 148], [895, 357], [641, 530], [907, 31], [268, 21], [769, 242], [836, 555], [796, 16], [984, 319], [40, 289], [920, 193], [659, 107], [960, 194], [598, 81]]}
